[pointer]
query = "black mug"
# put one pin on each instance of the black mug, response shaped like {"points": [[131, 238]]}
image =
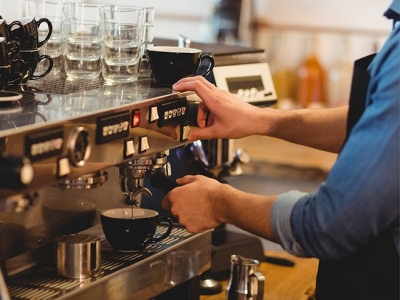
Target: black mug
{"points": [[31, 58], [8, 51], [169, 64], [6, 28], [132, 229], [28, 35]]}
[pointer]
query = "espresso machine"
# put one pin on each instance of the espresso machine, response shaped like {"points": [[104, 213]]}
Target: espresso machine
{"points": [[95, 143], [103, 145]]}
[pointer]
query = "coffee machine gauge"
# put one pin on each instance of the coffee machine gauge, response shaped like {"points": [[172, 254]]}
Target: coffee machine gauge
{"points": [[79, 146]]}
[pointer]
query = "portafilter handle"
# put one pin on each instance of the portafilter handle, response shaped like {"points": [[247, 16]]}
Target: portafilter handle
{"points": [[160, 181]]}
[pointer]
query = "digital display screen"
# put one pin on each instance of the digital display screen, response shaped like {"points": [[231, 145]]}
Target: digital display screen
{"points": [[245, 82]]}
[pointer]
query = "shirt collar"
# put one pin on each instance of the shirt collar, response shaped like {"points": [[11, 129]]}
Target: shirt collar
{"points": [[394, 10]]}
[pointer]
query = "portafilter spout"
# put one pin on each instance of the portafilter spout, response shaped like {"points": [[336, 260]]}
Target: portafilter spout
{"points": [[133, 172]]}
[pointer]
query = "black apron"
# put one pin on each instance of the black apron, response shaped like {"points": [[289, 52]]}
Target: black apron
{"points": [[372, 273]]}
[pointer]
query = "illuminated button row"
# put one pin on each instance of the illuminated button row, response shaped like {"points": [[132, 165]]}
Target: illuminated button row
{"points": [[173, 113], [247, 93], [112, 127], [46, 146], [115, 128]]}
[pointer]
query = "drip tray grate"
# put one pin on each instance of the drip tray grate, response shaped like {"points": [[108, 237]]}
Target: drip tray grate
{"points": [[42, 282], [64, 86]]}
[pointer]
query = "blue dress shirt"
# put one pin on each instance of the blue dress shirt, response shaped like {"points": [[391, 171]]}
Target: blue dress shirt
{"points": [[360, 198]]}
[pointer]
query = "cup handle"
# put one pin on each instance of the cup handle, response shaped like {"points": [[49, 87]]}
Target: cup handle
{"points": [[260, 279], [208, 57], [170, 226], [50, 26], [38, 114], [17, 24], [40, 58]]}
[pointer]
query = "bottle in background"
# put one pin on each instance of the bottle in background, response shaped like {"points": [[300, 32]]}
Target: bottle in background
{"points": [[339, 77], [282, 73], [310, 77]]}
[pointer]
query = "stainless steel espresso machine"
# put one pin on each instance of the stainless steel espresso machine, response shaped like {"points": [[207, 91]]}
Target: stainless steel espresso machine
{"points": [[72, 149], [66, 140]]}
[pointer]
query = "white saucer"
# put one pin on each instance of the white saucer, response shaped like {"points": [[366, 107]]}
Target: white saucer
{"points": [[7, 96]]}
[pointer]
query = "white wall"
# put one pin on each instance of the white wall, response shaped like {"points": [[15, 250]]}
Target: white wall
{"points": [[362, 19], [347, 14], [190, 17]]}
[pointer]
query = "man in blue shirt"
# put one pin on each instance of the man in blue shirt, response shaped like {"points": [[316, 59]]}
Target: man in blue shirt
{"points": [[351, 224]]}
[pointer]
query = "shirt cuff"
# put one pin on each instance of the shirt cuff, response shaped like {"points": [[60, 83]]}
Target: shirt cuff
{"points": [[280, 221]]}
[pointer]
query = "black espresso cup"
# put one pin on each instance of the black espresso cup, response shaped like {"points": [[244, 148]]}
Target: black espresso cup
{"points": [[6, 28], [132, 229], [169, 64], [8, 51], [31, 58], [28, 34]]}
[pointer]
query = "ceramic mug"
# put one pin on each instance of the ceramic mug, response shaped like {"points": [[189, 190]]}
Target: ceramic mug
{"points": [[8, 51], [169, 64], [132, 229], [31, 58], [5, 28], [28, 35]]}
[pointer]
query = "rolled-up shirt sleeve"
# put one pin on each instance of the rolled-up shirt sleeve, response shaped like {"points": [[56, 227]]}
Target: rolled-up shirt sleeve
{"points": [[280, 221]]}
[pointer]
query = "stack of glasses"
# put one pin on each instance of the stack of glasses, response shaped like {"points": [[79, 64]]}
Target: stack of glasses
{"points": [[96, 40]]}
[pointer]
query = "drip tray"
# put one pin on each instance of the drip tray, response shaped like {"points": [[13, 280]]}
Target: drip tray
{"points": [[139, 275], [63, 86]]}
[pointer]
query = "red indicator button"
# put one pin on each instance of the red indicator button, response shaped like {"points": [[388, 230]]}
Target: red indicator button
{"points": [[135, 118]]}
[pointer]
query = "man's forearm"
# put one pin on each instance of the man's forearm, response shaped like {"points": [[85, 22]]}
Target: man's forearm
{"points": [[323, 129]]}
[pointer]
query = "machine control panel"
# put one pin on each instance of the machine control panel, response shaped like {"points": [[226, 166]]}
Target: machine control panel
{"points": [[112, 127], [172, 112], [250, 82], [44, 144]]}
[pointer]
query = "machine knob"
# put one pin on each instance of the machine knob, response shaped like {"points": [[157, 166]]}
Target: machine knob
{"points": [[79, 146], [15, 172]]}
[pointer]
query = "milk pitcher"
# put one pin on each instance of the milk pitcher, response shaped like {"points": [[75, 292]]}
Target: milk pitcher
{"points": [[245, 282]]}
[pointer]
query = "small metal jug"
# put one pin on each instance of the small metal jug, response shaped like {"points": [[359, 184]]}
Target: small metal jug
{"points": [[245, 282]]}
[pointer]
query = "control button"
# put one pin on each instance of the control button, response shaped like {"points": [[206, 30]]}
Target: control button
{"points": [[253, 92], [240, 93], [15, 172], [26, 174], [63, 167], [246, 94], [135, 118], [143, 144], [185, 133], [153, 114], [129, 148]]}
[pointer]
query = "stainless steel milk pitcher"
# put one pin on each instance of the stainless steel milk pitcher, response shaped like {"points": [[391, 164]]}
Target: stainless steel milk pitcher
{"points": [[245, 282]]}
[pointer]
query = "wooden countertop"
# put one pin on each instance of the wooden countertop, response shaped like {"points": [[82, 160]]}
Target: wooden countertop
{"points": [[283, 283]]}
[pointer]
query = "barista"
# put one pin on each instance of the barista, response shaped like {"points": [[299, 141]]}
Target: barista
{"points": [[351, 224]]}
